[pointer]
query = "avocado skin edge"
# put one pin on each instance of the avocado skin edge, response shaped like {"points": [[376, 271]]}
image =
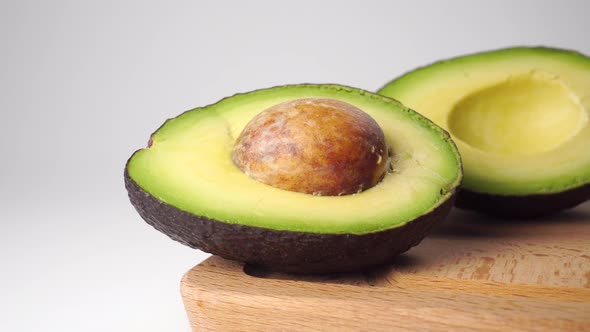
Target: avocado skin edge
{"points": [[522, 207], [287, 251]]}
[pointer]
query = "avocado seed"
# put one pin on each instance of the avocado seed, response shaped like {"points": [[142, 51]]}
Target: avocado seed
{"points": [[315, 146]]}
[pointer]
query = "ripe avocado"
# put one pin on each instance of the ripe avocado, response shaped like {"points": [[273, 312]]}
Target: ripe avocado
{"points": [[519, 117], [186, 185]]}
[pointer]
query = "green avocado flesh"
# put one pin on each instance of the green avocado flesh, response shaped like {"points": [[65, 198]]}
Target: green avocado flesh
{"points": [[189, 166], [519, 116]]}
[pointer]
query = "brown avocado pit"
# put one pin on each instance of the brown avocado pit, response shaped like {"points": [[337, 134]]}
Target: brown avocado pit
{"points": [[316, 146]]}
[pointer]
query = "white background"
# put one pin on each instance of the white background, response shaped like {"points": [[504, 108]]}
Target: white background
{"points": [[83, 84]]}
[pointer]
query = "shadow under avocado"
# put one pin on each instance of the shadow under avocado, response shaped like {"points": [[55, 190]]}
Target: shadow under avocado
{"points": [[375, 276], [464, 223]]}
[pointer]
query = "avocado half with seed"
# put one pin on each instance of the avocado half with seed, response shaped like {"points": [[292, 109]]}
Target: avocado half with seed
{"points": [[519, 117], [187, 185]]}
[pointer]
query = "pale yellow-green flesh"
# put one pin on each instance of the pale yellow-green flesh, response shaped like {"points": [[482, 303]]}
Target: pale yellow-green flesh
{"points": [[189, 166], [519, 117]]}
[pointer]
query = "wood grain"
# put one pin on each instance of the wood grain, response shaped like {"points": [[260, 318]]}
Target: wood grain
{"points": [[473, 273]]}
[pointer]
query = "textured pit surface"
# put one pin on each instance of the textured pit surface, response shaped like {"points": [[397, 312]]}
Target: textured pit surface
{"points": [[316, 146]]}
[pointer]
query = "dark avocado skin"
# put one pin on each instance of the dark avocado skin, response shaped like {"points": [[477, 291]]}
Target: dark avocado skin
{"points": [[295, 252], [522, 207]]}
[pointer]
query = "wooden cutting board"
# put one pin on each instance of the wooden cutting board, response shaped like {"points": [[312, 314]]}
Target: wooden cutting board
{"points": [[472, 273]]}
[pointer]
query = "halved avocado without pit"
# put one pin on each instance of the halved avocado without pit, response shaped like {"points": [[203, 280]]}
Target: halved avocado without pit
{"points": [[186, 185], [519, 117]]}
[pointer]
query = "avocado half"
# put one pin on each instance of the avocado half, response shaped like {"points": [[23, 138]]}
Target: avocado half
{"points": [[519, 117], [185, 185]]}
